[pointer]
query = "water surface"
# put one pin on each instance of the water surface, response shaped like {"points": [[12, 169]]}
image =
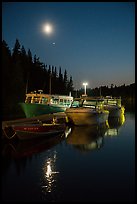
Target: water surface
{"points": [[88, 164]]}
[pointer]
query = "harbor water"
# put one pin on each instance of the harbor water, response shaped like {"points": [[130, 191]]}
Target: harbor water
{"points": [[85, 164]]}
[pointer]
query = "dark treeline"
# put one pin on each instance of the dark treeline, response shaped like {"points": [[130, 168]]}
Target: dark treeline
{"points": [[126, 92], [21, 73]]}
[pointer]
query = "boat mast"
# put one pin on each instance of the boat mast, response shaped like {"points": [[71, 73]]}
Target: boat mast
{"points": [[50, 84], [100, 91], [27, 83]]}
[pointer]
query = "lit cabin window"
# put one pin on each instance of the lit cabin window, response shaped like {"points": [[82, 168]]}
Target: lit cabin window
{"points": [[61, 101], [56, 100], [28, 100], [44, 100]]}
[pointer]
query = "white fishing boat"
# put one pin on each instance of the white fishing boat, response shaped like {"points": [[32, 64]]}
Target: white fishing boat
{"points": [[109, 103], [113, 105], [86, 115]]}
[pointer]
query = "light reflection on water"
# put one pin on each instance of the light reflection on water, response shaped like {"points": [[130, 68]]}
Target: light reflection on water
{"points": [[114, 125], [82, 138], [49, 173], [51, 162], [91, 138]]}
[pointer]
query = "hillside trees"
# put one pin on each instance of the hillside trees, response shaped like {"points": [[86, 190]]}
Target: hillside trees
{"points": [[21, 73]]}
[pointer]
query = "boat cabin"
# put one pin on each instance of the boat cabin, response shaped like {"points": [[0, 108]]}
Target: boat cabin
{"points": [[115, 101], [93, 103], [41, 98]]}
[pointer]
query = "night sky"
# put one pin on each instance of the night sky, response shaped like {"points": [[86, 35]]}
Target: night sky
{"points": [[94, 42]]}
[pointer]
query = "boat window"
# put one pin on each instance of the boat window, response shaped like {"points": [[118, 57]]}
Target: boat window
{"points": [[55, 100], [28, 100], [112, 102], [75, 104], [44, 100], [36, 99], [61, 101]]}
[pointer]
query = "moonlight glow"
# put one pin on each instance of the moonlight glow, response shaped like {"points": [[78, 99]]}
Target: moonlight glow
{"points": [[47, 28]]}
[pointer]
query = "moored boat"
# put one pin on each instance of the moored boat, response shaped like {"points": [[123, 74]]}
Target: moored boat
{"points": [[114, 106], [86, 115], [87, 111], [109, 103], [29, 131], [39, 103]]}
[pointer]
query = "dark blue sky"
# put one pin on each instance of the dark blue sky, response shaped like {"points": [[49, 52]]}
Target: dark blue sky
{"points": [[94, 42]]}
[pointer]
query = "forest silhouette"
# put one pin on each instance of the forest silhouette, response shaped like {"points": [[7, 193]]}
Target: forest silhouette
{"points": [[23, 73]]}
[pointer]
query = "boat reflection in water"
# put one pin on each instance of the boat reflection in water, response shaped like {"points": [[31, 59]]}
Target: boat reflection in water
{"points": [[87, 138], [49, 173], [114, 125], [27, 148], [92, 137]]}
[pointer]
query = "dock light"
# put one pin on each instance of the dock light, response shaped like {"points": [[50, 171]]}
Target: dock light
{"points": [[85, 85]]}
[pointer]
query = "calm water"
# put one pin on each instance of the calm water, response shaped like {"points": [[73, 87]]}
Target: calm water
{"points": [[86, 164]]}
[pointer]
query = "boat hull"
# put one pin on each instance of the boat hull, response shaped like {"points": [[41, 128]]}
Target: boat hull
{"points": [[86, 116], [114, 111], [33, 110], [26, 132]]}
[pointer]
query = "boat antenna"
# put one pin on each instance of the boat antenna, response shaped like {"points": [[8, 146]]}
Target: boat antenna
{"points": [[50, 83], [27, 82], [100, 91]]}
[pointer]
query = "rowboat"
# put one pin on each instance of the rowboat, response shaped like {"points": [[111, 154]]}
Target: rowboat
{"points": [[29, 131]]}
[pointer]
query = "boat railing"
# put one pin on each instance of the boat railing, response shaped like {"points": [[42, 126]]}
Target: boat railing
{"points": [[113, 101]]}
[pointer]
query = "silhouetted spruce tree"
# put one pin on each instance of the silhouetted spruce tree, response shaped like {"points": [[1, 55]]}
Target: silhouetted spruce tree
{"points": [[17, 74], [46, 78], [53, 83], [24, 64], [70, 85], [6, 78], [55, 76], [60, 82], [37, 74], [28, 72], [65, 81]]}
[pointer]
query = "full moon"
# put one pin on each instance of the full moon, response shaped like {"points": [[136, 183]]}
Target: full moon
{"points": [[47, 28]]}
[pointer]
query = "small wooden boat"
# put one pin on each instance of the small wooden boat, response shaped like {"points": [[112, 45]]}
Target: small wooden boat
{"points": [[29, 131]]}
